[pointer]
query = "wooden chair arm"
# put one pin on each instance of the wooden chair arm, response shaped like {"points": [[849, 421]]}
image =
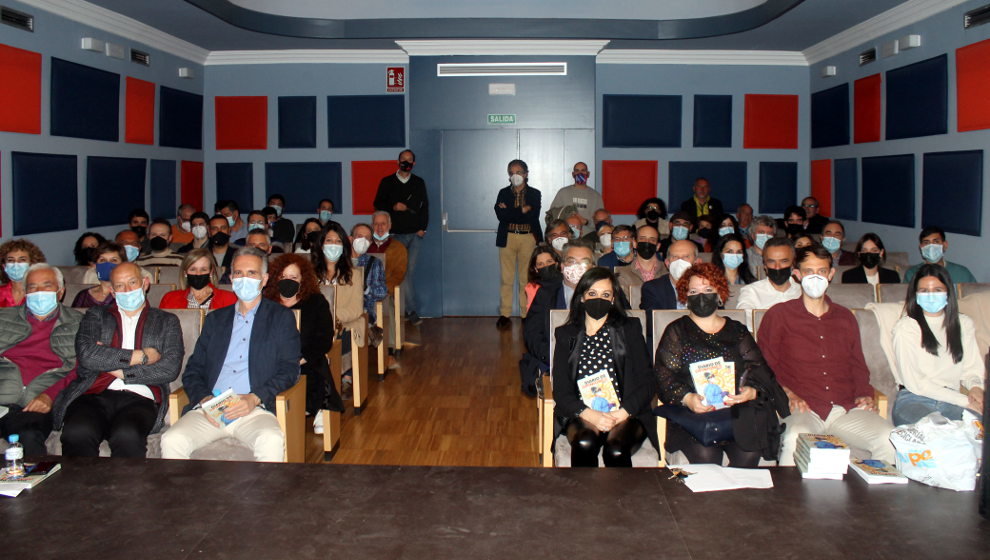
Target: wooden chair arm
{"points": [[883, 404], [545, 405], [290, 409], [177, 400]]}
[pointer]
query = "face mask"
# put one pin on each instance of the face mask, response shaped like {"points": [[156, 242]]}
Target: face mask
{"points": [[360, 245], [596, 308], [84, 256], [139, 230], [381, 237], [103, 271], [727, 230], [199, 232], [679, 233], [16, 271], [732, 260], [831, 244], [580, 178], [932, 253], [247, 289], [197, 281], [517, 180], [186, 226], [869, 260], [41, 303], [405, 165], [158, 244], [575, 231], [550, 273], [131, 252], [605, 239], [558, 243], [220, 239], [761, 239], [932, 302], [814, 285], [678, 268], [230, 221], [705, 232], [574, 272], [130, 301], [646, 250], [288, 288], [622, 248], [779, 276], [702, 305], [795, 229], [256, 226], [313, 238], [333, 252], [277, 208], [325, 215], [652, 215]]}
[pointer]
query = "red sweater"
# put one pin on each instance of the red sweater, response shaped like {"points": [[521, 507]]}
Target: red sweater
{"points": [[179, 299]]}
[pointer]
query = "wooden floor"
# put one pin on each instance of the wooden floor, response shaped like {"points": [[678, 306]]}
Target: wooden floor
{"points": [[453, 401]]}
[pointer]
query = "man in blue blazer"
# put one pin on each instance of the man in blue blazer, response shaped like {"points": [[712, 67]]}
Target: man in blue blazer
{"points": [[251, 347]]}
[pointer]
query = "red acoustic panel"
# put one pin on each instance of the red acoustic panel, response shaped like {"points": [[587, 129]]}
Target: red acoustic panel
{"points": [[365, 176], [241, 122], [866, 104], [20, 90], [973, 86], [771, 122], [139, 111], [192, 184], [626, 184], [821, 185]]}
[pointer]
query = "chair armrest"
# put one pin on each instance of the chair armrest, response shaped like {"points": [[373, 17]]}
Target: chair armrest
{"points": [[290, 409], [661, 434], [177, 400], [545, 405], [883, 404]]}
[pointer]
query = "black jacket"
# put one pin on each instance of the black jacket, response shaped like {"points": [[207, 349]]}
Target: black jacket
{"points": [[658, 293], [691, 207], [512, 215], [412, 193], [858, 276]]}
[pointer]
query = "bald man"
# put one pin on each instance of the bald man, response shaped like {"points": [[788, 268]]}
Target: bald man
{"points": [[578, 200], [661, 293]]}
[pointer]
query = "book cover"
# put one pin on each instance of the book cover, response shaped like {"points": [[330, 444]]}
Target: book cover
{"points": [[35, 473], [216, 406], [825, 443], [877, 472], [598, 393], [714, 380]]}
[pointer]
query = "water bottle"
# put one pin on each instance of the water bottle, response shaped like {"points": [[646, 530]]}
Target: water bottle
{"points": [[15, 457]]}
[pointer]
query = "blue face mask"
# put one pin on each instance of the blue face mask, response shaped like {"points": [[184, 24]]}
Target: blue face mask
{"points": [[131, 252], [333, 252], [932, 302], [41, 303], [16, 271], [576, 231], [130, 301], [761, 239], [247, 289], [580, 178], [230, 221], [932, 253], [325, 215], [381, 237], [679, 233], [103, 271], [831, 244], [256, 227], [622, 248], [277, 208], [732, 260], [727, 230]]}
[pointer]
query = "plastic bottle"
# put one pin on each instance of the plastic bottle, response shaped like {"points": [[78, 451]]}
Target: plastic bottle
{"points": [[15, 457]]}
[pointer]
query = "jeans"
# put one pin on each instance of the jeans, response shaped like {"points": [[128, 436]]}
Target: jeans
{"points": [[909, 408], [412, 243]]}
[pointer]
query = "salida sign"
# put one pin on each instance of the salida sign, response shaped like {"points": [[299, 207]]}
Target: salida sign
{"points": [[395, 79]]}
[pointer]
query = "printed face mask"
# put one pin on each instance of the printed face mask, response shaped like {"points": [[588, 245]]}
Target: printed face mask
{"points": [[574, 272]]}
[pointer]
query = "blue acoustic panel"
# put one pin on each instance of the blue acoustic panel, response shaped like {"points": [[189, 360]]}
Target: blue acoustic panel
{"points": [[235, 181], [44, 193], [364, 121], [845, 175], [713, 121], [727, 178], [304, 184], [296, 122], [830, 117], [650, 121], [114, 187], [163, 188], [180, 119], [918, 99], [888, 190], [84, 102], [778, 186], [952, 191]]}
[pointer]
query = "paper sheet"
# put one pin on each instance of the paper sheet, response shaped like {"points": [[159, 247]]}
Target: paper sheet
{"points": [[710, 478]]}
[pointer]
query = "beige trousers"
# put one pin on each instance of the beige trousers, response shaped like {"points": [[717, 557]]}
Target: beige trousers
{"points": [[859, 428], [259, 430], [514, 260]]}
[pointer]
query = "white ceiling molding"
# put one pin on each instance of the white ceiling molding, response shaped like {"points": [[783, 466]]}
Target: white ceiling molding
{"points": [[881, 24], [309, 56], [704, 57], [128, 28], [496, 47]]}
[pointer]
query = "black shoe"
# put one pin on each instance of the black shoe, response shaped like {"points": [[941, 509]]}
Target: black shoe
{"points": [[414, 319], [503, 323]]}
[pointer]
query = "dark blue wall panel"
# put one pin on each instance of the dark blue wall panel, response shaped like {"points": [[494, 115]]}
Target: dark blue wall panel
{"points": [[44, 193], [713, 121], [235, 181], [952, 191], [84, 102], [114, 187], [778, 186], [163, 189], [728, 180], [830, 117], [296, 122], [888, 190], [304, 184], [366, 121], [180, 119], [918, 99], [648, 121], [845, 175]]}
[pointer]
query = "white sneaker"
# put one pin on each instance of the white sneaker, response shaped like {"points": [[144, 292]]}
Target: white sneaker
{"points": [[318, 423]]}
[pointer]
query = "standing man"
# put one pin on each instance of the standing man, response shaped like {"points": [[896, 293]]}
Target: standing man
{"points": [[577, 200], [403, 196], [517, 208], [702, 202]]}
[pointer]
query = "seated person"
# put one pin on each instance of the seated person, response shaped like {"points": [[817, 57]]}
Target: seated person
{"points": [[308, 236], [730, 257], [832, 237], [108, 255], [744, 219], [544, 266], [933, 245], [623, 248], [256, 222], [653, 212], [703, 335], [600, 218], [375, 288], [251, 347], [282, 228], [200, 230], [160, 245], [871, 254], [17, 255], [334, 267], [132, 242], [935, 352], [231, 212], [762, 230], [395, 252], [598, 337], [813, 345], [221, 246], [707, 232], [197, 285], [558, 234], [795, 222], [37, 352], [660, 293], [779, 286], [681, 226], [803, 241], [728, 225], [816, 222], [128, 354], [259, 239], [646, 266], [182, 228], [83, 250], [602, 239]]}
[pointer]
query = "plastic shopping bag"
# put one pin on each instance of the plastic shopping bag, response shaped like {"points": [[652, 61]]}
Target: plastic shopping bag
{"points": [[939, 452]]}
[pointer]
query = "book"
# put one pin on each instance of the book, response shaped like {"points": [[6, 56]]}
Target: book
{"points": [[714, 380], [821, 456], [35, 473], [598, 393], [877, 472], [216, 406], [817, 471]]}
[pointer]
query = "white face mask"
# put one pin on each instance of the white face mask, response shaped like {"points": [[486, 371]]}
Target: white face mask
{"points": [[678, 268], [605, 239], [517, 180], [574, 272], [558, 243], [814, 285], [199, 232], [360, 245], [186, 226]]}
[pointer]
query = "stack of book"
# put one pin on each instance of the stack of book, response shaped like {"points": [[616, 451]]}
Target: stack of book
{"points": [[35, 473], [821, 456], [877, 472]]}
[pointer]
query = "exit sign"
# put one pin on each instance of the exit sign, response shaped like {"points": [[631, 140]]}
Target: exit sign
{"points": [[501, 119]]}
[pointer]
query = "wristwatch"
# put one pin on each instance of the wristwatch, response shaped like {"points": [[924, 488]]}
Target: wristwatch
{"points": [[144, 358]]}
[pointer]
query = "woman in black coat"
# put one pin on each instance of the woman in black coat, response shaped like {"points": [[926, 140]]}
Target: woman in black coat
{"points": [[871, 255]]}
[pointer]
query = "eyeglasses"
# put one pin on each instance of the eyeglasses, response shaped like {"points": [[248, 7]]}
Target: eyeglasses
{"points": [[809, 206]]}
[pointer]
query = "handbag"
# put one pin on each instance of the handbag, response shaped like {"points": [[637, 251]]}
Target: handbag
{"points": [[708, 428]]}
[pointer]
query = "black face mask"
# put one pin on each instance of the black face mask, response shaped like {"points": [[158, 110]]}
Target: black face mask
{"points": [[795, 229], [313, 238], [652, 216], [779, 276], [405, 165], [646, 250], [84, 256], [597, 308], [550, 273], [702, 305], [705, 232], [139, 230], [220, 239], [158, 243], [869, 260], [197, 281], [288, 288]]}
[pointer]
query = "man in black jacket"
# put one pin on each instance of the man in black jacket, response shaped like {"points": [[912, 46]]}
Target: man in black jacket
{"points": [[702, 202]]}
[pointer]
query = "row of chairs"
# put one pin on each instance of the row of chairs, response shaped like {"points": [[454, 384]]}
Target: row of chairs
{"points": [[159, 274]]}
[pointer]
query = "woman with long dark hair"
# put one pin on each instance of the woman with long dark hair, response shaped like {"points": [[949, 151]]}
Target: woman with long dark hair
{"points": [[729, 255], [653, 212], [307, 237], [544, 268], [935, 352], [871, 255]]}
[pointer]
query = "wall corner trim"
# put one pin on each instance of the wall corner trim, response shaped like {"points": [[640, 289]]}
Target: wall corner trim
{"points": [[308, 56], [707, 57], [508, 47]]}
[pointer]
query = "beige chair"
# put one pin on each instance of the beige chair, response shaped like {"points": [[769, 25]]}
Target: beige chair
{"points": [[852, 295], [977, 307], [733, 300], [157, 291], [73, 274], [839, 270], [382, 321], [898, 260], [758, 315], [890, 293], [875, 332], [359, 354], [705, 257], [167, 275], [72, 290], [970, 288], [635, 296]]}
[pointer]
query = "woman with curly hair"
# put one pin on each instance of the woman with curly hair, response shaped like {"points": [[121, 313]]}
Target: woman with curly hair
{"points": [[16, 255], [748, 427]]}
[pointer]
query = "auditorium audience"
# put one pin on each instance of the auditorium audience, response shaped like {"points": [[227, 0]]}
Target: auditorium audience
{"points": [[237, 229], [871, 254], [324, 211], [108, 255], [282, 229], [816, 222], [220, 246], [200, 230], [744, 218], [660, 293], [832, 237], [308, 236], [197, 284], [779, 285], [762, 230], [576, 200], [681, 226], [544, 267], [82, 252], [382, 243], [160, 245], [17, 256], [702, 202], [653, 212], [558, 233], [137, 221], [375, 289], [646, 266], [129, 240], [623, 248], [933, 245], [795, 222], [729, 256]]}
